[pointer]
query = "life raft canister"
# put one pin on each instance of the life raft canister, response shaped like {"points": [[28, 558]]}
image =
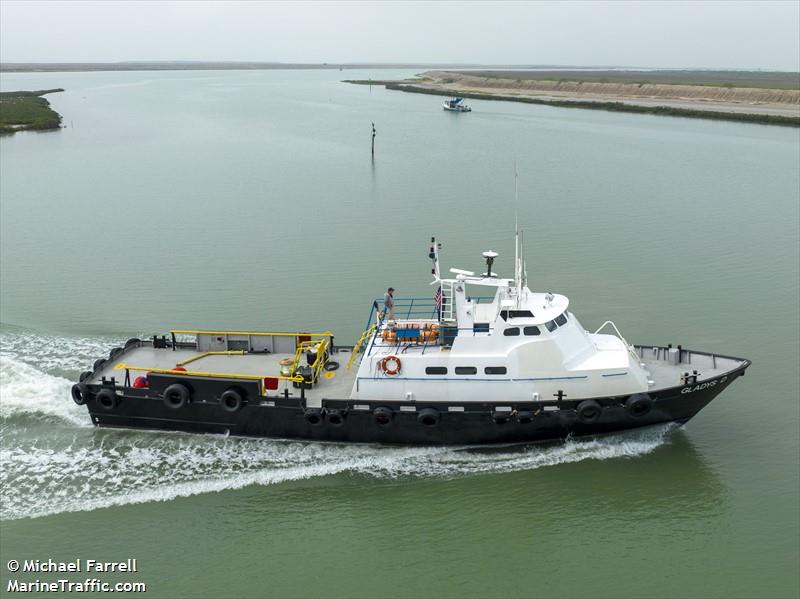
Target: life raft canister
{"points": [[391, 365]]}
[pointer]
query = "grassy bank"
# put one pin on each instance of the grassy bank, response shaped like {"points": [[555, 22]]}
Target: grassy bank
{"points": [[727, 79], [764, 119], [27, 111]]}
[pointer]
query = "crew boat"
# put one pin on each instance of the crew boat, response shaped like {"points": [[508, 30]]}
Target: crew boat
{"points": [[456, 105], [485, 360]]}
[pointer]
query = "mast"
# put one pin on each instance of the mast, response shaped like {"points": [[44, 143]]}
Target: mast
{"points": [[518, 269]]}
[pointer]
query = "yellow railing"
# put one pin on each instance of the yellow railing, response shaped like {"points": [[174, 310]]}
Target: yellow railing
{"points": [[212, 353], [321, 347], [357, 347], [259, 333]]}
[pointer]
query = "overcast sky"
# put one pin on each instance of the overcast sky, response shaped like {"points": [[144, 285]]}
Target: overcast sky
{"points": [[722, 34]]}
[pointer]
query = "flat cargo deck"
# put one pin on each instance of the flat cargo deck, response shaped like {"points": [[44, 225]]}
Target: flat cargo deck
{"points": [[333, 384]]}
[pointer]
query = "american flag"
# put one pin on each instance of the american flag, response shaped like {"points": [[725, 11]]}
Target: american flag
{"points": [[437, 298]]}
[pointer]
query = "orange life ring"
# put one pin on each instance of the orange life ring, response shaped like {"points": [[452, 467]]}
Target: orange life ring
{"points": [[391, 365]]}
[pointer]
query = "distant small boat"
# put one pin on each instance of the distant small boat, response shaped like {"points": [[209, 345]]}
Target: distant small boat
{"points": [[456, 105]]}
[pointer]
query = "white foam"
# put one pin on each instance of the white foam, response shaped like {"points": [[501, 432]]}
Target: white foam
{"points": [[54, 353], [128, 467], [27, 390]]}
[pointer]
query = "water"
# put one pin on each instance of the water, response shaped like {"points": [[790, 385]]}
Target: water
{"points": [[249, 200]]}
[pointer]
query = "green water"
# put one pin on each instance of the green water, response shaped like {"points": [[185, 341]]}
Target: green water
{"points": [[249, 200]]}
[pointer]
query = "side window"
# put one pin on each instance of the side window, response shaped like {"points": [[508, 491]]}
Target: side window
{"points": [[561, 320], [495, 370], [551, 326], [436, 370], [511, 332], [531, 331], [466, 370], [480, 327]]}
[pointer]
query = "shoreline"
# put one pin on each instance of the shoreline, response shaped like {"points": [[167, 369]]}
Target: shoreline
{"points": [[27, 111], [767, 106]]}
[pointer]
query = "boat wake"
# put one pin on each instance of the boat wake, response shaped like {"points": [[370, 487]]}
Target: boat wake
{"points": [[52, 460]]}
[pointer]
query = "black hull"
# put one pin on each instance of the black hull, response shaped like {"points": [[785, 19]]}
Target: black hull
{"points": [[347, 421]]}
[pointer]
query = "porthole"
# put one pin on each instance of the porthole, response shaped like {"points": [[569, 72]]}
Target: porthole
{"points": [[495, 370], [466, 370]]}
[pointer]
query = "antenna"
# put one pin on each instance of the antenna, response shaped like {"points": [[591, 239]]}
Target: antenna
{"points": [[518, 268], [516, 220]]}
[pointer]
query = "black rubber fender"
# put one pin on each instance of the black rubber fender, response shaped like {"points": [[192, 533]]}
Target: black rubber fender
{"points": [[112, 355], [329, 366], [335, 417], [428, 417], [176, 396], [639, 405], [107, 399], [501, 417], [589, 411], [314, 416], [132, 341], [525, 416], [80, 393], [85, 375], [98, 364], [231, 400], [382, 416]]}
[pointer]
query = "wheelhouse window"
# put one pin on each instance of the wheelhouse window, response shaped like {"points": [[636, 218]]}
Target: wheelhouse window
{"points": [[506, 314], [551, 326], [480, 327], [466, 370], [436, 370], [511, 332], [561, 320], [531, 331], [495, 370]]}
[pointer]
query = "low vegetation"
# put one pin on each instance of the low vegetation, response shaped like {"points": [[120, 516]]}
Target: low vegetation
{"points": [[27, 111], [727, 79], [764, 119]]}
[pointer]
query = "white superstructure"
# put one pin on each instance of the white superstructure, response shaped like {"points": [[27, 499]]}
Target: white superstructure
{"points": [[514, 345]]}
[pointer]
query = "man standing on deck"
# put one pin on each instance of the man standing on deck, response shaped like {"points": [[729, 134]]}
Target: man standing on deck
{"points": [[388, 304]]}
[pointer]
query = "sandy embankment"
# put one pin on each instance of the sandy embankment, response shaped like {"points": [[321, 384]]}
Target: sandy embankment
{"points": [[747, 100]]}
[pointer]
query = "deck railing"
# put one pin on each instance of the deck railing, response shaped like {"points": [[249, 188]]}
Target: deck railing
{"points": [[423, 309]]}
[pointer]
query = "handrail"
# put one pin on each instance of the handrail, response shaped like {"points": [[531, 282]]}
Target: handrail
{"points": [[319, 362], [625, 341], [357, 347], [212, 353], [257, 333]]}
